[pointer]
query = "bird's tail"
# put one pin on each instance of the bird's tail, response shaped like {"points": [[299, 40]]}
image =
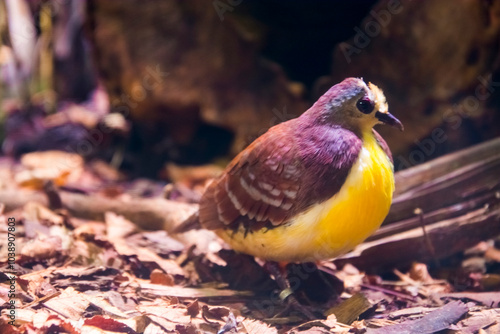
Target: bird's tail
{"points": [[191, 223]]}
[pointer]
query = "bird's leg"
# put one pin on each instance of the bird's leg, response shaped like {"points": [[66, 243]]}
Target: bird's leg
{"points": [[287, 293]]}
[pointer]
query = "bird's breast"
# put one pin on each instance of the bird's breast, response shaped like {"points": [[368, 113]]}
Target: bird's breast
{"points": [[335, 226]]}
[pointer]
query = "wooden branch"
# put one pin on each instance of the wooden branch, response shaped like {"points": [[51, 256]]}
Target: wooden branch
{"points": [[459, 195], [184, 292], [447, 237], [438, 215], [447, 180], [413, 177], [147, 213]]}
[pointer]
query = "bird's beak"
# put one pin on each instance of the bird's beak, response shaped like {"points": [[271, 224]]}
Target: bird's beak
{"points": [[389, 119]]}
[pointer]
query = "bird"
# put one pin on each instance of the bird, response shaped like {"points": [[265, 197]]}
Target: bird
{"points": [[310, 188]]}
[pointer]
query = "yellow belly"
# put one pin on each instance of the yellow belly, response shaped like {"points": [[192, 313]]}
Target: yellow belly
{"points": [[335, 226]]}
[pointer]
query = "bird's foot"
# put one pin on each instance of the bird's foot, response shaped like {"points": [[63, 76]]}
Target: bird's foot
{"points": [[288, 297], [287, 294]]}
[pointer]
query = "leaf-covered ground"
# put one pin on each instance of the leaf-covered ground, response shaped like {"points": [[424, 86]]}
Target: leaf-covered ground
{"points": [[65, 274]]}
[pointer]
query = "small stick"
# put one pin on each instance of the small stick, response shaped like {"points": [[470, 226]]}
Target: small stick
{"points": [[430, 247], [388, 291], [42, 300]]}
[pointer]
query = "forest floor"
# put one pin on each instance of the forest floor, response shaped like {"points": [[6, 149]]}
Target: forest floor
{"points": [[62, 273]]}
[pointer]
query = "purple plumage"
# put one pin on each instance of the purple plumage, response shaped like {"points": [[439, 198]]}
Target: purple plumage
{"points": [[293, 166]]}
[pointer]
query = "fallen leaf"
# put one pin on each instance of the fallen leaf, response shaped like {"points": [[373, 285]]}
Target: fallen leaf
{"points": [[159, 277], [477, 321], [108, 324], [124, 302], [350, 309], [106, 171], [6, 328], [165, 315], [117, 227], [145, 255], [153, 328], [54, 324], [56, 166], [158, 241], [193, 308], [257, 327], [37, 212], [217, 312], [99, 301], [490, 299], [70, 304], [42, 248], [435, 321]]}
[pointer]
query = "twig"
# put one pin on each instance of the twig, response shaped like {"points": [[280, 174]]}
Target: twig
{"points": [[420, 213], [42, 300], [389, 292]]}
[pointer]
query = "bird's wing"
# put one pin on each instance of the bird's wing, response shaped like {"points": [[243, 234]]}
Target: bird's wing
{"points": [[278, 176]]}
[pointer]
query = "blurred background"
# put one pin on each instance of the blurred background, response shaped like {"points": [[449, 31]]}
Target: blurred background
{"points": [[142, 85]]}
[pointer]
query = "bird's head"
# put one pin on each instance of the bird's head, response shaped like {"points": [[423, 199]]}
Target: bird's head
{"points": [[354, 105]]}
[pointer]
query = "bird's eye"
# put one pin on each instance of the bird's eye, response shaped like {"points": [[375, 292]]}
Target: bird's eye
{"points": [[365, 105]]}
